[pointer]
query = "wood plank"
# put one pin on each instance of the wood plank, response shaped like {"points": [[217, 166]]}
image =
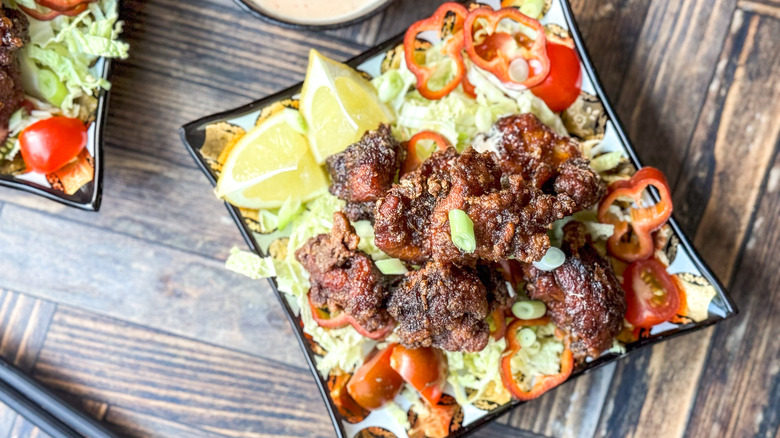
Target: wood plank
{"points": [[207, 42], [770, 8], [733, 143], [668, 77], [153, 285], [150, 200], [736, 98], [133, 424], [23, 324], [611, 30], [179, 380], [740, 390]]}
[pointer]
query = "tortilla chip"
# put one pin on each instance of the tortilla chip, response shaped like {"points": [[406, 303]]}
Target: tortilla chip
{"points": [[698, 294], [220, 138], [74, 175]]}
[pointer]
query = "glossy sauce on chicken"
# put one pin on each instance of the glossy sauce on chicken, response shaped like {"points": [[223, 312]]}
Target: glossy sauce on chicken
{"points": [[521, 179]]}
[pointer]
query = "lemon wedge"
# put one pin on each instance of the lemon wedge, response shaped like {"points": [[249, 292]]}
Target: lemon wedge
{"points": [[339, 105], [269, 164]]}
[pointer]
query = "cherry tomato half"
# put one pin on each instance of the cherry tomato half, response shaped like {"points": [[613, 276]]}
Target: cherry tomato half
{"points": [[424, 368], [652, 296], [562, 85], [49, 144], [375, 382]]}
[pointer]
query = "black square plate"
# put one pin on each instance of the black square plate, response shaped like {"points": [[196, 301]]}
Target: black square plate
{"points": [[685, 260], [88, 196]]}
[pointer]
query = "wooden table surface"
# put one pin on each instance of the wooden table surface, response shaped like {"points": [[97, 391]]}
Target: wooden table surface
{"points": [[130, 315]]}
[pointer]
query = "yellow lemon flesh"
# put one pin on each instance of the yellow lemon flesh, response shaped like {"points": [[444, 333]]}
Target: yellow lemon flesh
{"points": [[269, 164], [339, 106]]}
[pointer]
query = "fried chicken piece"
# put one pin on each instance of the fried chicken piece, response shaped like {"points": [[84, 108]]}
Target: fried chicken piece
{"points": [[344, 278], [412, 221], [402, 217], [441, 305], [13, 35], [525, 146], [497, 291], [583, 296], [364, 171]]}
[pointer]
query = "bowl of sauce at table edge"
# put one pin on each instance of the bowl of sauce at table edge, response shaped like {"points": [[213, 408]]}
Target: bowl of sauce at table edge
{"points": [[323, 14]]}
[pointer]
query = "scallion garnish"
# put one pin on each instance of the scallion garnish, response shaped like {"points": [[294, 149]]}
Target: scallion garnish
{"points": [[391, 267], [529, 309], [462, 231], [551, 260]]}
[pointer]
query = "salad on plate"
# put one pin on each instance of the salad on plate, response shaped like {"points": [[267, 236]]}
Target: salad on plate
{"points": [[51, 59], [455, 232]]}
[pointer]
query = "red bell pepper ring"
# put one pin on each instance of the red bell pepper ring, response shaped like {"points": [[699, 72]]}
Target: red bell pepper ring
{"points": [[62, 5], [452, 48], [468, 87], [498, 51], [644, 220], [51, 15], [542, 384], [343, 319], [413, 161]]}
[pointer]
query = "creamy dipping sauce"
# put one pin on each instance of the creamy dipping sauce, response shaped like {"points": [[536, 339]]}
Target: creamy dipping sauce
{"points": [[316, 11]]}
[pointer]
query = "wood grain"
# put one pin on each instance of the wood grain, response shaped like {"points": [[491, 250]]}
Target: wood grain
{"points": [[669, 75], [161, 287], [138, 324], [184, 383], [24, 322]]}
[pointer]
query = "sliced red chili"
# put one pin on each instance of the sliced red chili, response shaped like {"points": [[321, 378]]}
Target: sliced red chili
{"points": [[413, 161], [634, 241], [515, 59], [542, 384], [51, 15], [468, 87], [451, 47], [62, 5], [343, 319]]}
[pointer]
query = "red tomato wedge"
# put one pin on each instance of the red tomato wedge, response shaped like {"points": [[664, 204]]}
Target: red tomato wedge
{"points": [[63, 5], [375, 382], [49, 144], [424, 368], [562, 85], [651, 293]]}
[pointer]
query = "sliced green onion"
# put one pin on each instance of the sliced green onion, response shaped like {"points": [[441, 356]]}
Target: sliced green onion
{"points": [[389, 85], [51, 88], [391, 267], [527, 337], [529, 309], [551, 260], [534, 348], [288, 211], [462, 231], [607, 161], [533, 8], [295, 120]]}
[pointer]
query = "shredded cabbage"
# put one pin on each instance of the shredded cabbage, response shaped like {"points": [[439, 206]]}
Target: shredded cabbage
{"points": [[345, 348], [68, 47], [541, 360], [475, 371]]}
